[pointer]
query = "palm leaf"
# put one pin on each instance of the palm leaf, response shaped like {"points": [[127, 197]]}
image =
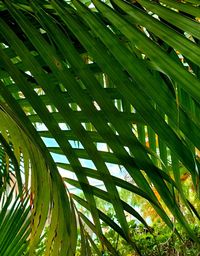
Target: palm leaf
{"points": [[14, 225], [116, 76]]}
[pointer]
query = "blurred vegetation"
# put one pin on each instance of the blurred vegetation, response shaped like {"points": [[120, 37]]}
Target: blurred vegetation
{"points": [[158, 240]]}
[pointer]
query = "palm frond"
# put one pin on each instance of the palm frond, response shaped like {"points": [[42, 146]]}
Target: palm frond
{"points": [[124, 75], [14, 225]]}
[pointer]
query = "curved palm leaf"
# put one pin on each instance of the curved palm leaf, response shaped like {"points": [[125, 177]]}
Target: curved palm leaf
{"points": [[122, 74]]}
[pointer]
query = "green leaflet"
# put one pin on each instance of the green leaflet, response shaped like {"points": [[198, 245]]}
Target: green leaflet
{"points": [[184, 7], [180, 21]]}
